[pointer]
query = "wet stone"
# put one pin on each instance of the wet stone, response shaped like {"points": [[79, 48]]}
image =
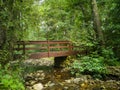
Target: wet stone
{"points": [[57, 79], [38, 86], [76, 80]]}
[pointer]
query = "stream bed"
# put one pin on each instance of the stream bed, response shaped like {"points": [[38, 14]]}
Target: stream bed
{"points": [[45, 77]]}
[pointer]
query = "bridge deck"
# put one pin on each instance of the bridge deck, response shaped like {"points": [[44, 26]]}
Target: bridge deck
{"points": [[51, 54], [41, 49]]}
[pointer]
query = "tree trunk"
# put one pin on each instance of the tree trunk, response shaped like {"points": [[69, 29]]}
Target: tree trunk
{"points": [[96, 24]]}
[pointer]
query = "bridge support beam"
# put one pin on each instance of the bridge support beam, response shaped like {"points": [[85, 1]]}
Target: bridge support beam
{"points": [[58, 61]]}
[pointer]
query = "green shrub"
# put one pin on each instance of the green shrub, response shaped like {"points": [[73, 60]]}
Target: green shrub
{"points": [[4, 57], [10, 79], [89, 64], [109, 57]]}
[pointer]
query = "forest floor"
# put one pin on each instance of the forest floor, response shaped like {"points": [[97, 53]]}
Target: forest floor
{"points": [[41, 75]]}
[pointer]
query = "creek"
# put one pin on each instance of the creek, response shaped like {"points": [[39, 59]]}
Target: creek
{"points": [[46, 77]]}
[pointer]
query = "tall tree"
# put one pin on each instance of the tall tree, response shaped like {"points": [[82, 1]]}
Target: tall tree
{"points": [[18, 18], [96, 23]]}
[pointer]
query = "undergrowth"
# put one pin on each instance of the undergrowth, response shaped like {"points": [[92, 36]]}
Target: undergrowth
{"points": [[10, 78], [94, 63], [10, 75]]}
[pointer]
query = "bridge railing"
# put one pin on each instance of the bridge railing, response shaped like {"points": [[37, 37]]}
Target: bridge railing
{"points": [[44, 48]]}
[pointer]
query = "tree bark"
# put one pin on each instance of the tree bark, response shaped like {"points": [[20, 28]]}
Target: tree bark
{"points": [[97, 24]]}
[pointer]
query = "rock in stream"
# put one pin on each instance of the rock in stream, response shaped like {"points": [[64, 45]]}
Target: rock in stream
{"points": [[59, 79]]}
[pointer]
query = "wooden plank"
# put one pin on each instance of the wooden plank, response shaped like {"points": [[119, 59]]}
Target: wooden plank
{"points": [[41, 47], [31, 42], [54, 48], [35, 42], [31, 48], [51, 47], [60, 53], [38, 55], [51, 54], [59, 42], [43, 42]]}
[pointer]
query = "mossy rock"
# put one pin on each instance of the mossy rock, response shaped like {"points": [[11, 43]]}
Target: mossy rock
{"points": [[63, 61], [69, 60], [114, 70]]}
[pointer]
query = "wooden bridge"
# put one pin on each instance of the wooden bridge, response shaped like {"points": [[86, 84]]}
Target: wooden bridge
{"points": [[42, 49]]}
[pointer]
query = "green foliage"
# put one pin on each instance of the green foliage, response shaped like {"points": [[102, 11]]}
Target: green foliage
{"points": [[69, 60], [4, 57], [110, 17], [89, 64], [95, 63], [10, 79], [62, 21], [109, 57], [19, 20]]}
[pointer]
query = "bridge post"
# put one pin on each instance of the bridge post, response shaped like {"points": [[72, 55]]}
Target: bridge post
{"points": [[70, 47], [23, 47], [48, 47], [58, 61]]}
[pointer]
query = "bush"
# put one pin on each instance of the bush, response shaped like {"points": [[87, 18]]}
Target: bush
{"points": [[109, 57], [89, 64], [10, 79], [4, 57]]}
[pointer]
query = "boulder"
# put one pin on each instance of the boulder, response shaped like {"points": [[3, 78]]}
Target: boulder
{"points": [[38, 86]]}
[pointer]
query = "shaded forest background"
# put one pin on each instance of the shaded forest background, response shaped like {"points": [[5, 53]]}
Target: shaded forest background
{"points": [[94, 24], [72, 20]]}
